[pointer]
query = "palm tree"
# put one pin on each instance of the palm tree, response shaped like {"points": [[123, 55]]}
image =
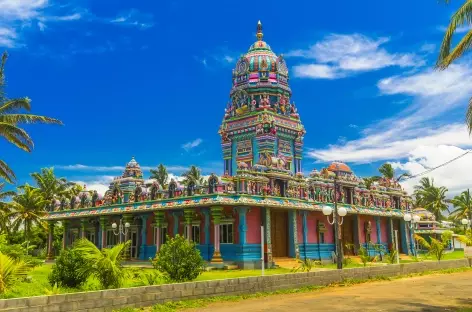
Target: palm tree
{"points": [[160, 175], [462, 204], [463, 16], [432, 198], [4, 209], [104, 264], [11, 117], [51, 186], [27, 209], [192, 175]]}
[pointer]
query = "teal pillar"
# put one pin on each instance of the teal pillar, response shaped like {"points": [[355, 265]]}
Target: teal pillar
{"points": [[379, 230], [305, 231], [390, 232], [404, 236], [176, 215], [242, 211], [142, 248], [206, 214]]}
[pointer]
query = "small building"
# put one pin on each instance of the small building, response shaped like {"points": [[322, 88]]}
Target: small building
{"points": [[262, 189]]}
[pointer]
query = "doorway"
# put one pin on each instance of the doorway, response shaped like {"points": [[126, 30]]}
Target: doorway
{"points": [[134, 244], [396, 226], [348, 235], [279, 233]]}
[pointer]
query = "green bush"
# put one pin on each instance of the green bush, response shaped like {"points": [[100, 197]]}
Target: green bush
{"points": [[179, 260], [68, 271]]}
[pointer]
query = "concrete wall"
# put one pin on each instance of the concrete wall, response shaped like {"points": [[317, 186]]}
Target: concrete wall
{"points": [[107, 300]]}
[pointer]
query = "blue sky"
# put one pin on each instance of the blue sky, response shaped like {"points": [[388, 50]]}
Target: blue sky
{"points": [[151, 79]]}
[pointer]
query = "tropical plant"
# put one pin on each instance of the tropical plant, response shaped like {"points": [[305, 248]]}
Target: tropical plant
{"points": [[27, 209], [436, 247], [11, 271], [51, 187], [193, 175], [305, 265], [392, 256], [151, 278], [179, 260], [364, 255], [467, 238], [55, 290], [369, 181], [104, 264], [4, 209], [160, 175], [69, 270], [462, 204], [10, 119], [431, 198], [387, 171], [380, 249]]}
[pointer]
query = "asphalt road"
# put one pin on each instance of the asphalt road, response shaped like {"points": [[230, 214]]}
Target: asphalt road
{"points": [[432, 293]]}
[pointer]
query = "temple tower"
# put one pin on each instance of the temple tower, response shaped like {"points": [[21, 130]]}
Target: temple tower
{"points": [[261, 123]]}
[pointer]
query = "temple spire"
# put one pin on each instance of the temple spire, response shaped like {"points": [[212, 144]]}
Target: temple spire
{"points": [[259, 33]]}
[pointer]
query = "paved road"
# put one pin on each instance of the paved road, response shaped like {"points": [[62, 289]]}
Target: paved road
{"points": [[432, 293]]}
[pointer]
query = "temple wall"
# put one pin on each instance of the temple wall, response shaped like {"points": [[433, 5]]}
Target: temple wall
{"points": [[253, 221], [311, 222], [384, 229], [300, 228]]}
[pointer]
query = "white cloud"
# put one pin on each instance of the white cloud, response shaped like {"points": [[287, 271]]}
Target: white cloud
{"points": [[95, 183], [192, 144], [7, 37], [134, 18], [428, 48], [87, 168], [456, 176], [316, 71], [353, 126], [417, 139], [21, 9], [459, 30], [339, 56]]}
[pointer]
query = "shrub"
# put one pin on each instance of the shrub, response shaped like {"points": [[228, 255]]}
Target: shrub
{"points": [[306, 265], [68, 271], [152, 278], [365, 256], [179, 260]]}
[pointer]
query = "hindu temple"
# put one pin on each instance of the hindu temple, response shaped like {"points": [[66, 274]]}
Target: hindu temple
{"points": [[262, 189]]}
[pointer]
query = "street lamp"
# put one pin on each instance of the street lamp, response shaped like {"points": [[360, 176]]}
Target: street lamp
{"points": [[119, 229], [465, 222], [411, 220], [338, 215]]}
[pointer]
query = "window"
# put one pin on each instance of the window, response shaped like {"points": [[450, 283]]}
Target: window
{"points": [[322, 238], [226, 233], [112, 239], [163, 238], [195, 233], [90, 236]]}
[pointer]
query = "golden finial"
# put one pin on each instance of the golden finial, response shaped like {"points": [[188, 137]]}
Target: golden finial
{"points": [[259, 33]]}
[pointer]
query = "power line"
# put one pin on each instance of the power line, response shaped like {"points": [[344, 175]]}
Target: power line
{"points": [[441, 165]]}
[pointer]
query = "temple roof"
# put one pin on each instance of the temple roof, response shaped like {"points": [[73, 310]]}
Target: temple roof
{"points": [[339, 166]]}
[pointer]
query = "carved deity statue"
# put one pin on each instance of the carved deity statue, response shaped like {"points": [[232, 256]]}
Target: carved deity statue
{"points": [[368, 231]]}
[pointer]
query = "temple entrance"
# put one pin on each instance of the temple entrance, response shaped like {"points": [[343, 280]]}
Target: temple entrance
{"points": [[279, 187], [396, 226], [348, 234], [134, 244], [279, 233]]}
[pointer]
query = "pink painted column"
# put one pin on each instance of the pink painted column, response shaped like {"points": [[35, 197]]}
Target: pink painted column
{"points": [[159, 220]]}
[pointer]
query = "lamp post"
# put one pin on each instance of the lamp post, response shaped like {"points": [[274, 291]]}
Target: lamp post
{"points": [[119, 229], [338, 214], [411, 220]]}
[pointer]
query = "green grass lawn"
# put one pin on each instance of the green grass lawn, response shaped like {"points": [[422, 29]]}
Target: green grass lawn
{"points": [[457, 254], [39, 284]]}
